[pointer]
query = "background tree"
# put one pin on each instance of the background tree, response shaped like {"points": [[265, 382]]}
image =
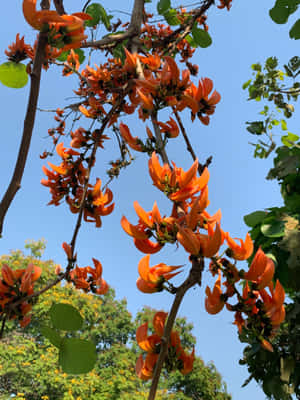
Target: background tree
{"points": [[277, 229], [29, 367]]}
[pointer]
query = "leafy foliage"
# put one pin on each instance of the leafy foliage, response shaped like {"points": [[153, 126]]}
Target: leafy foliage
{"points": [[277, 232], [35, 374]]}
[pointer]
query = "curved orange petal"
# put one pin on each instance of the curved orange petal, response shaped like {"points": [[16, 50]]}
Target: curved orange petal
{"points": [[146, 246], [159, 320], [132, 230], [143, 215]]}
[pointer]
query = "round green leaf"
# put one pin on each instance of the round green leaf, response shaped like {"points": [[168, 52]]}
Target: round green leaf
{"points": [[201, 37], [13, 75], [65, 317], [274, 229], [254, 218], [163, 6], [280, 15], [171, 17], [98, 13], [77, 356], [52, 335]]}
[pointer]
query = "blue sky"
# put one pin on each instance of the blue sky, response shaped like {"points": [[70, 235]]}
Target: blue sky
{"points": [[241, 37]]}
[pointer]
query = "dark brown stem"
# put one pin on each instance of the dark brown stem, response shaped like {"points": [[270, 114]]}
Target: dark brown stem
{"points": [[90, 165], [15, 182], [159, 140], [189, 146], [3, 319], [59, 5], [193, 279]]}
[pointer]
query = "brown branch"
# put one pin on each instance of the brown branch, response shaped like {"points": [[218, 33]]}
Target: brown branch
{"points": [[133, 29], [193, 279], [59, 5], [159, 140], [90, 165], [15, 182], [173, 39]]}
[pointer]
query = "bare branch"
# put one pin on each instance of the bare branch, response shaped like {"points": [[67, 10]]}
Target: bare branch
{"points": [[193, 279], [15, 182]]}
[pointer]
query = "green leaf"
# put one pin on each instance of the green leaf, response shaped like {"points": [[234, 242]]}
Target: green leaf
{"points": [[191, 41], [98, 13], [163, 6], [52, 335], [201, 36], [254, 218], [246, 84], [65, 317], [171, 17], [295, 30], [283, 125], [289, 139], [280, 15], [256, 127], [13, 75], [273, 229], [64, 55], [282, 10], [77, 356]]}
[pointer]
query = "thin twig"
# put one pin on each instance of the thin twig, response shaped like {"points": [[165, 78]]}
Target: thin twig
{"points": [[90, 165], [190, 149], [15, 182], [4, 317]]}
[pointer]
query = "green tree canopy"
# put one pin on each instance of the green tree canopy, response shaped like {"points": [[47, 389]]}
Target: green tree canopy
{"points": [[29, 367]]}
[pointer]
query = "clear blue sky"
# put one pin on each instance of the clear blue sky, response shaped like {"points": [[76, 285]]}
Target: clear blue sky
{"points": [[240, 37]]}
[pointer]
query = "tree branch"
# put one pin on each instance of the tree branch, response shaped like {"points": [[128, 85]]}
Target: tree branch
{"points": [[193, 279], [59, 5], [15, 182], [133, 29]]}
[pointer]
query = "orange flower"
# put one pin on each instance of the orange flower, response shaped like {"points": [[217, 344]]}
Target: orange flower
{"points": [[225, 3], [145, 368], [149, 343], [261, 270], [170, 128], [70, 28], [134, 143], [242, 251], [178, 185], [141, 231], [152, 278], [197, 98], [19, 51], [213, 301], [273, 304], [188, 362]]}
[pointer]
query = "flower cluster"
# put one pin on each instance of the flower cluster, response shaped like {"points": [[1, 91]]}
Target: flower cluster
{"points": [[257, 312], [88, 279], [67, 181], [64, 31], [16, 285], [176, 358]]}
